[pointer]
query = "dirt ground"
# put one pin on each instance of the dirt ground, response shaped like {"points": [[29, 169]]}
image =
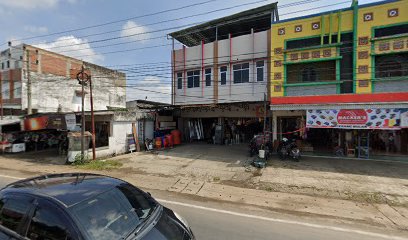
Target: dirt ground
{"points": [[372, 192]]}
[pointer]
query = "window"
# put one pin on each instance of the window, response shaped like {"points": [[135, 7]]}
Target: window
{"points": [[208, 77], [2, 65], [193, 79], [260, 71], [395, 65], [114, 213], [389, 31], [102, 134], [8, 64], [309, 75], [241, 73], [223, 73], [17, 89], [13, 212], [6, 89], [48, 223], [179, 80], [324, 71]]}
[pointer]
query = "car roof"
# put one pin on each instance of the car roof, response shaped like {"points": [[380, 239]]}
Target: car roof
{"points": [[67, 188]]}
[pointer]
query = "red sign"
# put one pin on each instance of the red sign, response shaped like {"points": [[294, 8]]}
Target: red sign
{"points": [[353, 117]]}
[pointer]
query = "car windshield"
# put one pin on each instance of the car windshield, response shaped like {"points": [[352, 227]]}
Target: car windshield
{"points": [[113, 214]]}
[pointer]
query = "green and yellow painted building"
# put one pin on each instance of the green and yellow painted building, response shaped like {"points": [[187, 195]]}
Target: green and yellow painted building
{"points": [[351, 58]]}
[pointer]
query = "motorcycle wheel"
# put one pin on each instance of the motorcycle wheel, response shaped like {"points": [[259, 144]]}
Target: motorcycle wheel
{"points": [[282, 154]]}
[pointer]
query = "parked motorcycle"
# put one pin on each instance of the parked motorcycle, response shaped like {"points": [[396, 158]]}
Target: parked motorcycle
{"points": [[257, 144], [288, 149]]}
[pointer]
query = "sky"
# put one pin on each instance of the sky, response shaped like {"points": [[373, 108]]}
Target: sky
{"points": [[128, 35]]}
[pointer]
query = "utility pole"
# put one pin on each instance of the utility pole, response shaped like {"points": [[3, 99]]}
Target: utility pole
{"points": [[29, 108], [82, 78], [92, 120], [264, 123]]}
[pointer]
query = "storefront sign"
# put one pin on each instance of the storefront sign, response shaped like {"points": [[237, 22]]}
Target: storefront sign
{"points": [[404, 118], [70, 121], [56, 121], [354, 118]]}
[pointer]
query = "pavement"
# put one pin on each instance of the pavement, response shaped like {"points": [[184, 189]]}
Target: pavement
{"points": [[351, 192]]}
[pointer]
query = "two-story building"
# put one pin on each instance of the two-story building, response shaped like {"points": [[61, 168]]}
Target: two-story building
{"points": [[339, 79], [48, 80], [220, 75], [39, 92]]}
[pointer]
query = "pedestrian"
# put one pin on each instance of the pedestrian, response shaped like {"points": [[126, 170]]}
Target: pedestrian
{"points": [[391, 143]]}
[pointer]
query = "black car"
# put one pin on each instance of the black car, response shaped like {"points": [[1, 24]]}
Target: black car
{"points": [[85, 206]]}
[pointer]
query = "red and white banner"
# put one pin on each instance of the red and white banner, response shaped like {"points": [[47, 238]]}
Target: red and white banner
{"points": [[354, 118]]}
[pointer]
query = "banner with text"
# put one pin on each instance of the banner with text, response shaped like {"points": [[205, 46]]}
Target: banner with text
{"points": [[354, 118]]}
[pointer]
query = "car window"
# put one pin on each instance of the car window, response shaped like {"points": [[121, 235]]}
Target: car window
{"points": [[4, 236], [113, 214], [48, 223], [14, 211]]}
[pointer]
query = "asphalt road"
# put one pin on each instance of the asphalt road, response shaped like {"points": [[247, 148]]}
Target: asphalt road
{"points": [[211, 222]]}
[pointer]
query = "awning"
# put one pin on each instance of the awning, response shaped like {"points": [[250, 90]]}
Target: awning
{"points": [[333, 106], [9, 122]]}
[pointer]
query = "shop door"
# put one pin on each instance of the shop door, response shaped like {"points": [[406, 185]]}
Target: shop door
{"points": [[364, 144]]}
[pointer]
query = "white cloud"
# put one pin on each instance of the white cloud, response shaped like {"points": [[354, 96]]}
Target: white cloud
{"points": [[150, 88], [32, 4], [73, 47], [134, 31], [36, 30]]}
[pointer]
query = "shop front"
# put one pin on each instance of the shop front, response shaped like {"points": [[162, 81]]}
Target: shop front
{"points": [[360, 133], [222, 123]]}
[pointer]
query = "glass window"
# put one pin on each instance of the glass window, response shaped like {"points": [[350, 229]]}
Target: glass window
{"points": [[260, 71], [8, 64], [208, 77], [13, 212], [241, 73], [193, 79], [115, 213], [179, 80], [223, 73], [2, 65], [309, 75], [394, 65], [6, 89], [48, 223], [17, 89]]}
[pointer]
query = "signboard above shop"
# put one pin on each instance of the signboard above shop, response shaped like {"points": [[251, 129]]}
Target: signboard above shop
{"points": [[50, 121], [354, 118]]}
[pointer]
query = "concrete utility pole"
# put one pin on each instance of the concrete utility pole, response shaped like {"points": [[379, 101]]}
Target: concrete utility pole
{"points": [[82, 78], [29, 107], [264, 123], [92, 120]]}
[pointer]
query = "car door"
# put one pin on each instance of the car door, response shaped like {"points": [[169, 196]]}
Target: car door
{"points": [[50, 222], [14, 211]]}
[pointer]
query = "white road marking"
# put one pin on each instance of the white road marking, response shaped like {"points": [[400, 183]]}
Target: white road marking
{"points": [[12, 177], [285, 221]]}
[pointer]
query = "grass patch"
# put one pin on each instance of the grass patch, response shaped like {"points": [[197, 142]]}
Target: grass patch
{"points": [[99, 165], [216, 179]]}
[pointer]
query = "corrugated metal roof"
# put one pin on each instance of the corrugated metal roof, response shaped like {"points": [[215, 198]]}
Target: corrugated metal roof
{"points": [[240, 23]]}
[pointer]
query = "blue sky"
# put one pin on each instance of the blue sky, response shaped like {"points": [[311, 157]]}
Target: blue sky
{"points": [[23, 19]]}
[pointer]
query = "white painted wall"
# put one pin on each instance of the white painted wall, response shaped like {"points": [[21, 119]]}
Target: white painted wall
{"points": [[247, 48], [49, 92], [117, 141]]}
